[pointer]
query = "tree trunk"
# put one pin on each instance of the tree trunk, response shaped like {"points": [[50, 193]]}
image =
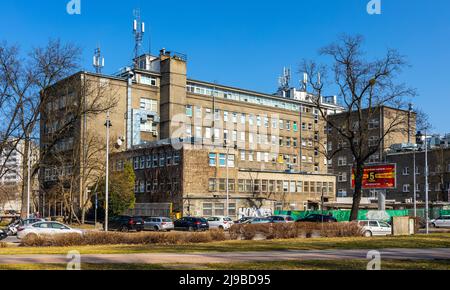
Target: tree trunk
{"points": [[359, 174], [24, 197]]}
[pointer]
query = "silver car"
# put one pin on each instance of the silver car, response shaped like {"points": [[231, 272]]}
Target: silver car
{"points": [[158, 224]]}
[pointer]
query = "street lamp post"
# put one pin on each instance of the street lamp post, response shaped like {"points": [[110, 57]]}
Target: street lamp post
{"points": [[415, 185], [28, 179], [421, 142], [108, 125], [426, 183]]}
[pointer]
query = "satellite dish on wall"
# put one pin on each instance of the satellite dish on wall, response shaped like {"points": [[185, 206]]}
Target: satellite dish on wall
{"points": [[119, 143]]}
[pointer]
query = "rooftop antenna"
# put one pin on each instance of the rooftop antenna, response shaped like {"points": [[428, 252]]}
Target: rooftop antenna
{"points": [[98, 60], [285, 79], [305, 82], [138, 31]]}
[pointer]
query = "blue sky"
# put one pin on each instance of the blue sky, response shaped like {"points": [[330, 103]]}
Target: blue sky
{"points": [[247, 43]]}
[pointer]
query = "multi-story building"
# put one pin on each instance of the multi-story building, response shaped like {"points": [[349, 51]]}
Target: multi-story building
{"points": [[392, 125], [268, 145], [438, 179], [11, 174]]}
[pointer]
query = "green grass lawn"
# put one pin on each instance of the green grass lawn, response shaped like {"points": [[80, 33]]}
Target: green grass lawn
{"points": [[291, 265], [418, 241]]}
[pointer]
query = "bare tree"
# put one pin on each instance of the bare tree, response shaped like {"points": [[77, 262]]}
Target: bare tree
{"points": [[21, 82], [31, 85], [73, 155], [365, 88]]}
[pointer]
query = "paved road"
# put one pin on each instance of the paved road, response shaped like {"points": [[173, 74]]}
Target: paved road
{"points": [[206, 258]]}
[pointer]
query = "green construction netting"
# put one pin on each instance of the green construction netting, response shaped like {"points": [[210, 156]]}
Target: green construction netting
{"points": [[344, 215]]}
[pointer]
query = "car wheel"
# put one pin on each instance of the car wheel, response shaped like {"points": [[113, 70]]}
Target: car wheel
{"points": [[368, 234], [155, 228], [191, 229], [433, 225], [221, 228], [31, 236], [124, 229]]}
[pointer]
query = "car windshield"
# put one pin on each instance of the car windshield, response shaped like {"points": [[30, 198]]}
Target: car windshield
{"points": [[166, 220]]}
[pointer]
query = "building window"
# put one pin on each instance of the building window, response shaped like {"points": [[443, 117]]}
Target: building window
{"points": [[342, 161], [136, 163], [222, 182], [162, 159], [235, 117], [248, 185], [241, 185], [212, 159], [149, 161], [231, 185], [176, 158], [207, 209], [342, 177], [406, 171], [189, 110], [232, 209], [374, 124], [155, 160], [222, 160], [342, 193], [243, 118], [285, 186], [373, 141], [198, 132], [293, 187], [231, 159], [149, 105], [242, 153], [142, 162], [198, 112], [219, 209], [299, 186], [406, 188], [212, 185], [169, 159]]}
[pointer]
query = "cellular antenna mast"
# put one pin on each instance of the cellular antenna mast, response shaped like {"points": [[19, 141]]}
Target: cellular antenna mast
{"points": [[285, 79], [138, 31], [98, 60]]}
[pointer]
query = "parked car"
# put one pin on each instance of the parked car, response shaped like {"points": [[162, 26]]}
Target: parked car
{"points": [[375, 228], [441, 222], [126, 224], [243, 220], [31, 221], [260, 220], [220, 222], [46, 228], [281, 219], [317, 218], [191, 224], [158, 224]]}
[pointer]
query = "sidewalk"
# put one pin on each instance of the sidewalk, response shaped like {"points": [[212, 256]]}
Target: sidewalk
{"points": [[237, 257]]}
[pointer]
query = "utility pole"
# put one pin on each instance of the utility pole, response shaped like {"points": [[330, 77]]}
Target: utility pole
{"points": [[28, 178], [415, 183], [108, 125], [426, 184]]}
